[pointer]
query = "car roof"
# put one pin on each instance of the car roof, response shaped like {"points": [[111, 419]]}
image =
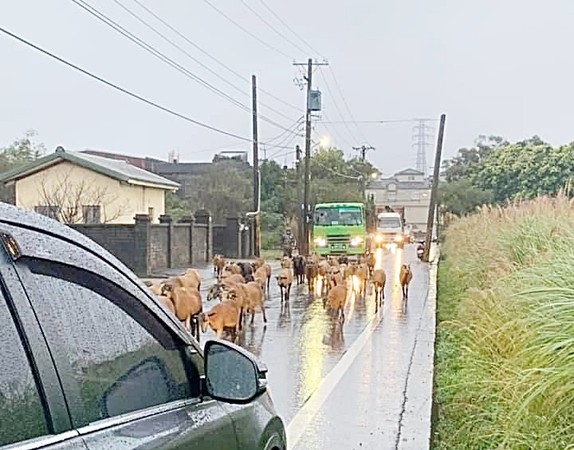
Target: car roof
{"points": [[21, 218]]}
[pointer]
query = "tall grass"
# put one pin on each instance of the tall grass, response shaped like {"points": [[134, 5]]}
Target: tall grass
{"points": [[505, 342]]}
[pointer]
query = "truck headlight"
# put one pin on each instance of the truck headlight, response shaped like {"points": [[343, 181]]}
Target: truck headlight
{"points": [[379, 238], [356, 241], [398, 238], [321, 242]]}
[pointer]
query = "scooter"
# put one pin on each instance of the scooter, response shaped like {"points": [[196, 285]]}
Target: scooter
{"points": [[420, 251]]}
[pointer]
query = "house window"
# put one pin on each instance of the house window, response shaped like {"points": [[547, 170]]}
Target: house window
{"points": [[392, 187], [411, 178], [92, 213], [416, 196], [51, 211], [150, 212]]}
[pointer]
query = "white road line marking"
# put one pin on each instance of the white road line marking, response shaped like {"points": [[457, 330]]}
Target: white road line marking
{"points": [[303, 418]]}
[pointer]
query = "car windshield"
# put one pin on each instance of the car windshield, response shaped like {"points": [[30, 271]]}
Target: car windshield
{"points": [[389, 222], [338, 216]]}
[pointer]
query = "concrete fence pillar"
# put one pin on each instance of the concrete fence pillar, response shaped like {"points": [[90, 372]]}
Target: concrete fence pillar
{"points": [[142, 245]]}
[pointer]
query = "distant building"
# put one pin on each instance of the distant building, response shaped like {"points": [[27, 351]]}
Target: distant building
{"points": [[186, 174], [407, 191]]}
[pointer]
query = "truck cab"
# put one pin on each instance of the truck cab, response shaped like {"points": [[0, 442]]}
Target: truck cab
{"points": [[390, 230]]}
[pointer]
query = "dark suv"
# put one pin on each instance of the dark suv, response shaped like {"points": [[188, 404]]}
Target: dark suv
{"points": [[90, 360]]}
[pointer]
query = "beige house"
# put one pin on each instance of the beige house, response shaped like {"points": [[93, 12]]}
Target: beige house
{"points": [[79, 188], [408, 190]]}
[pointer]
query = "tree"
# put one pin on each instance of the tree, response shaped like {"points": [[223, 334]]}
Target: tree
{"points": [[461, 197], [467, 159], [21, 151], [177, 207], [224, 191], [74, 200], [526, 169]]}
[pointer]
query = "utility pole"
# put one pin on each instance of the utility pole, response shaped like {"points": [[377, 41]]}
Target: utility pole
{"points": [[363, 149], [256, 233], [300, 212], [306, 187], [434, 188]]}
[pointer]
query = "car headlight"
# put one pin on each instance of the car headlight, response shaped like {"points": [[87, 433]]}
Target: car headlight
{"points": [[357, 240], [398, 238], [321, 242], [379, 238]]}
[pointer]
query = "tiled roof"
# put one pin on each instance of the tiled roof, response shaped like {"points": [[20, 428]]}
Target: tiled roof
{"points": [[117, 169]]}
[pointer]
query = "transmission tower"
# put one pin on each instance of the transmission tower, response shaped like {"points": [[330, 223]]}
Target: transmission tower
{"points": [[421, 141]]}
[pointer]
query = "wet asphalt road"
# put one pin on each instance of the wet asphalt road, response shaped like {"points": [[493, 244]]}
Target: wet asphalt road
{"points": [[301, 344]]}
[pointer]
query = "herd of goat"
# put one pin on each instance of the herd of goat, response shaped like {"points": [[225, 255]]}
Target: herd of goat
{"points": [[241, 288]]}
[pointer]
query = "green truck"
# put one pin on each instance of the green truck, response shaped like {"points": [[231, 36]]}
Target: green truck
{"points": [[339, 228]]}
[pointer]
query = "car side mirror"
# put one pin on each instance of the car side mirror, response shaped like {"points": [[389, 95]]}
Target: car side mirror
{"points": [[232, 374]]}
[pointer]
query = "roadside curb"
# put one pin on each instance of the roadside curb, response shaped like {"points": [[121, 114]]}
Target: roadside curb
{"points": [[416, 426]]}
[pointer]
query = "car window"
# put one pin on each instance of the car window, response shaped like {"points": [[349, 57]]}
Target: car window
{"points": [[121, 357], [21, 411]]}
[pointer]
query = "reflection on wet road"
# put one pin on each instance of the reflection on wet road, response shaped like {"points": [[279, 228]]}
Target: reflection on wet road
{"points": [[302, 343]]}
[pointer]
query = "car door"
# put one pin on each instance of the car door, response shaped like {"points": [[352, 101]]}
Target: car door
{"points": [[129, 379], [32, 410]]}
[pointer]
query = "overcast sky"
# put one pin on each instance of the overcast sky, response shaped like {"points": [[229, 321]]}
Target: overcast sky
{"points": [[500, 67]]}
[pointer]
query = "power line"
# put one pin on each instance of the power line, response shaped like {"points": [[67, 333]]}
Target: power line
{"points": [[335, 132], [289, 28], [339, 112], [245, 30], [297, 123], [209, 55], [181, 49], [345, 103], [373, 121], [123, 90], [114, 25], [333, 171], [141, 43], [126, 91], [271, 26]]}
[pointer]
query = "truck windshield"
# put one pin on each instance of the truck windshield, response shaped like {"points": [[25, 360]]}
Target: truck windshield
{"points": [[338, 216], [389, 222]]}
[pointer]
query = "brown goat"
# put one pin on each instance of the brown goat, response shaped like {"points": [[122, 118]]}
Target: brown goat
{"points": [[371, 262], [379, 279], [335, 277], [284, 281], [405, 277], [218, 264], [337, 299], [260, 276], [259, 262], [155, 288], [187, 303], [286, 263], [166, 301], [232, 268], [224, 315], [311, 272], [247, 297], [255, 300], [190, 279], [362, 274], [224, 285]]}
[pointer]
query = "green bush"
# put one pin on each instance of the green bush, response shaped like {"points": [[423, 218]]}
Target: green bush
{"points": [[505, 341]]}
